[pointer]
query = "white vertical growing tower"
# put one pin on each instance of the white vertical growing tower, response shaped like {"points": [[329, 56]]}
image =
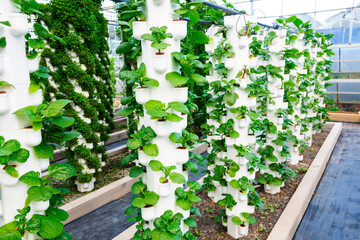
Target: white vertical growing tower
{"points": [[158, 14], [235, 65], [15, 69], [276, 102], [295, 77]]}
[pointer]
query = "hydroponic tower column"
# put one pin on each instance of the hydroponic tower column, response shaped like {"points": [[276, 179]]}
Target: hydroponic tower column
{"points": [[15, 69], [158, 64]]}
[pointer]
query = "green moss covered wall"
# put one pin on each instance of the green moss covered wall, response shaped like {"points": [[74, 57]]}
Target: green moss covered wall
{"points": [[83, 62]]}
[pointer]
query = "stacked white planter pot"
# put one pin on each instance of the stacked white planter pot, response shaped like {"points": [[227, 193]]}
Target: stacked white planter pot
{"points": [[277, 102], [15, 69], [234, 64], [159, 13], [294, 76], [234, 24], [214, 76]]}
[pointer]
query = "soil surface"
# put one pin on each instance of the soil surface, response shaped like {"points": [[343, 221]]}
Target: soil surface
{"points": [[112, 172], [274, 204], [347, 107]]}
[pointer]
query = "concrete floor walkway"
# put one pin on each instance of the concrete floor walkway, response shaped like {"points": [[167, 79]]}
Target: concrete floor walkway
{"points": [[334, 211]]}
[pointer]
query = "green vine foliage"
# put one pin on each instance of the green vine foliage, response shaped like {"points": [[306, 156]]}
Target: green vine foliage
{"points": [[81, 59]]}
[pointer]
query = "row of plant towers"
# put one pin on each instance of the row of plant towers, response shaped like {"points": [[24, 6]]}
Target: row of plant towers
{"points": [[265, 102], [31, 125]]}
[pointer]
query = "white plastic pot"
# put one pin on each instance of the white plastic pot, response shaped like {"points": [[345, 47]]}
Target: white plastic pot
{"points": [[271, 107], [180, 94], [4, 103], [31, 137], [33, 64], [243, 83], [182, 155], [180, 27], [148, 213], [162, 128], [280, 120], [186, 214], [36, 97], [242, 196], [144, 159], [242, 123], [142, 95], [243, 230], [160, 62], [40, 206], [158, 2], [229, 212], [242, 161], [243, 42], [229, 63], [230, 141], [140, 28], [164, 189], [272, 189], [2, 63], [225, 224], [19, 24], [8, 180], [85, 187]]}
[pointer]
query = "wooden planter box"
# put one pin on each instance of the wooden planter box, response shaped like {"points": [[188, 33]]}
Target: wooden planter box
{"points": [[344, 116]]}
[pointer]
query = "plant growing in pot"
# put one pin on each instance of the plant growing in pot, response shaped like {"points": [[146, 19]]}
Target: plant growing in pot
{"points": [[188, 76], [142, 140], [175, 177], [44, 198], [138, 78], [244, 111], [269, 179], [242, 220], [144, 199], [4, 84], [186, 140], [185, 198], [160, 111], [227, 129], [167, 226], [11, 151], [157, 37], [244, 186], [231, 167], [228, 201]]}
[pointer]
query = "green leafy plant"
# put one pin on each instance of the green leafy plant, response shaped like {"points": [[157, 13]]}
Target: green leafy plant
{"points": [[138, 77], [11, 151], [228, 201], [186, 139], [244, 218], [244, 111], [270, 179], [227, 129], [48, 226], [185, 198], [157, 36], [167, 226], [243, 184], [175, 177], [189, 65], [4, 84], [142, 140], [158, 110], [144, 197]]}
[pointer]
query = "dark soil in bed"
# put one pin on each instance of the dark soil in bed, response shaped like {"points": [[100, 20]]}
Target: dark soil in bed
{"points": [[275, 204]]}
